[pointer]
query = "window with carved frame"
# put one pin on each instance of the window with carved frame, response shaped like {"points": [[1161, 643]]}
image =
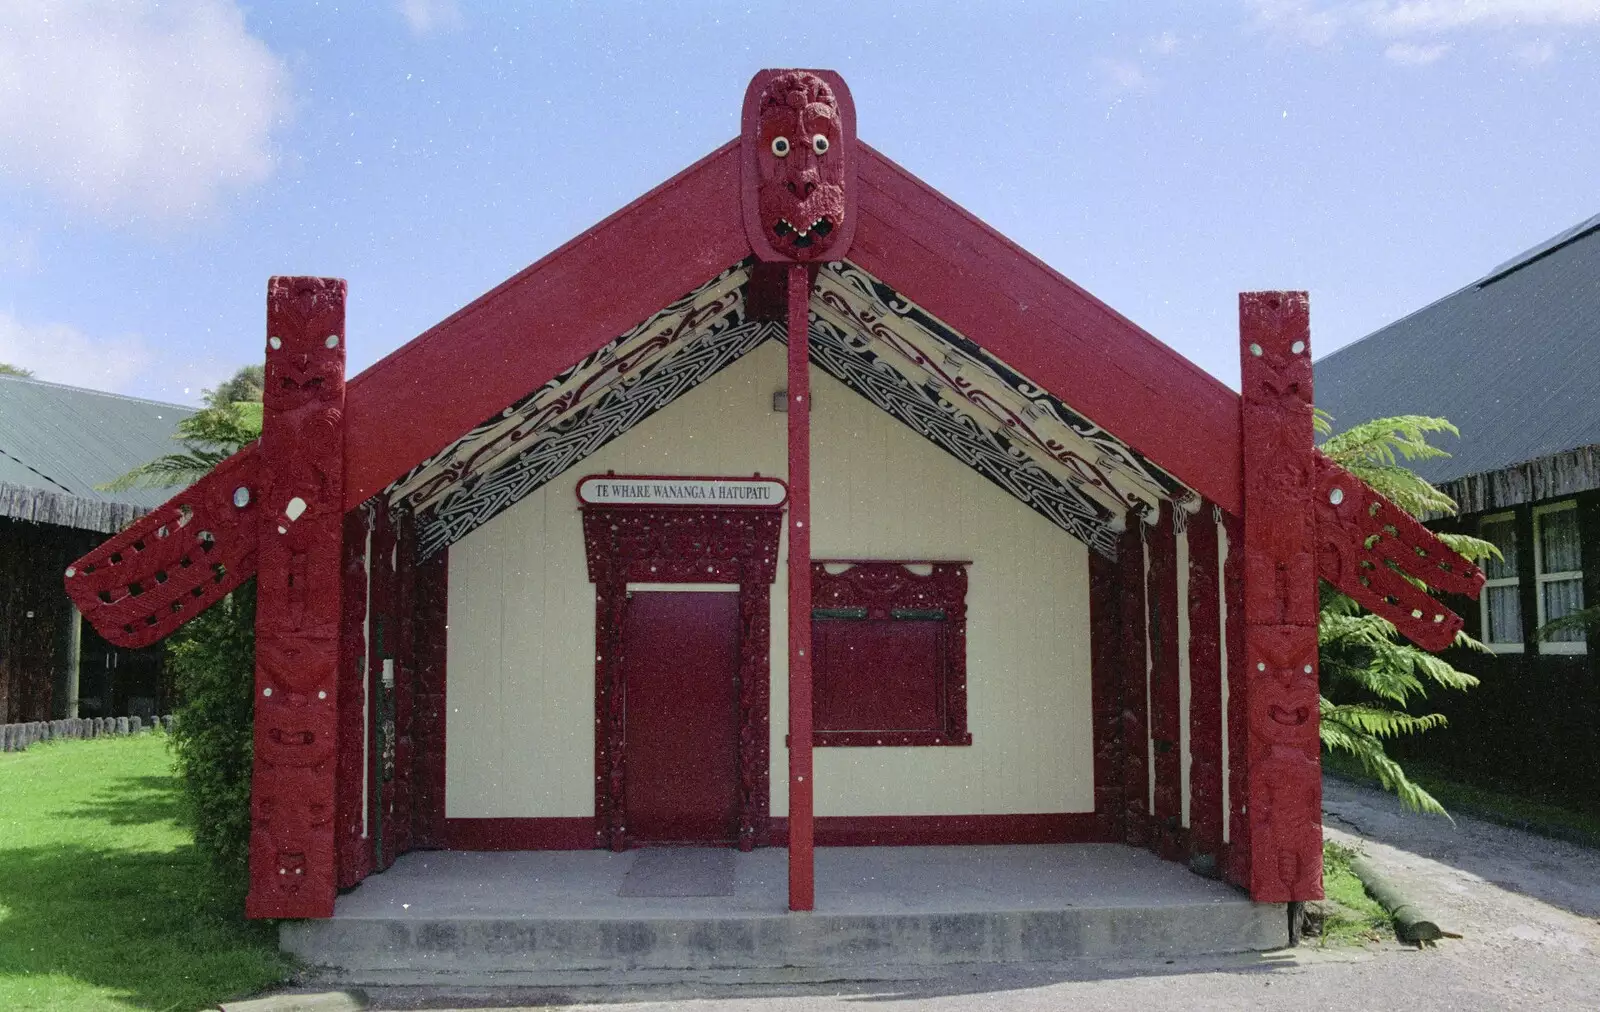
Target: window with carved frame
{"points": [[889, 644]]}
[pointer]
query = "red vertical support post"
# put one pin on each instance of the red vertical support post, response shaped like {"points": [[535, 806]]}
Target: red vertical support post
{"points": [[1165, 718], [430, 620], [1236, 863], [1205, 694], [1106, 661], [1280, 598], [802, 887], [298, 595], [1135, 686], [354, 849]]}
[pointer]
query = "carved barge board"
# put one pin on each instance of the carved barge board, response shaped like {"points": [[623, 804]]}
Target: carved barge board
{"points": [[1280, 598], [299, 536]]}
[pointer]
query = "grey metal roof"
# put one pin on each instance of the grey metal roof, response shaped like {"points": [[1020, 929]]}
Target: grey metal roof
{"points": [[60, 442], [1513, 359]]}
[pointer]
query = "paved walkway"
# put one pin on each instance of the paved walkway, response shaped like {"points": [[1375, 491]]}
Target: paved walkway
{"points": [[1526, 906]]}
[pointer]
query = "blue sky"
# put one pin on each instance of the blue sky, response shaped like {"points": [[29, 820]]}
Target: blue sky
{"points": [[159, 161]]}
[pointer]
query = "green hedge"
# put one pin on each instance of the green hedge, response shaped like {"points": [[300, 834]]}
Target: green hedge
{"points": [[213, 664]]}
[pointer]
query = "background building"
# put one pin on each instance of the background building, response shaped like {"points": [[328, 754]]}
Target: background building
{"points": [[57, 443], [1512, 360]]}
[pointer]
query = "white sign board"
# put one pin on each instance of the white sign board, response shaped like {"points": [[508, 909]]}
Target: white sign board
{"points": [[667, 490]]}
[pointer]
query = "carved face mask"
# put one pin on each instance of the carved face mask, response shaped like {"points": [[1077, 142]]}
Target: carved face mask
{"points": [[800, 187]]}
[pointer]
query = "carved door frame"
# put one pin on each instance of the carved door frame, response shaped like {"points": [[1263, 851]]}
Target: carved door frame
{"points": [[677, 544]]}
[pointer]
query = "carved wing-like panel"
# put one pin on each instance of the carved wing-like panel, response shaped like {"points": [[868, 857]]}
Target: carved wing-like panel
{"points": [[1363, 538], [176, 561]]}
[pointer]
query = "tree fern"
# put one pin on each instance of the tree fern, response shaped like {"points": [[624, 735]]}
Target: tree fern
{"points": [[209, 436], [1363, 661]]}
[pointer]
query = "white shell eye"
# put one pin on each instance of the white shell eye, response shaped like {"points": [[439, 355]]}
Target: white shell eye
{"points": [[780, 146], [819, 144]]}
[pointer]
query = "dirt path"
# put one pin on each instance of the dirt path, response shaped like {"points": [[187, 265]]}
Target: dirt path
{"points": [[1529, 907]]}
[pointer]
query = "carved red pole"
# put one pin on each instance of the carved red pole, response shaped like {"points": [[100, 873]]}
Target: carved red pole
{"points": [[802, 889], [1280, 598], [298, 601]]}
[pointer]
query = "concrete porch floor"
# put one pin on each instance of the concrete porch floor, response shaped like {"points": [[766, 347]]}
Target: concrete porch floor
{"points": [[536, 916]]}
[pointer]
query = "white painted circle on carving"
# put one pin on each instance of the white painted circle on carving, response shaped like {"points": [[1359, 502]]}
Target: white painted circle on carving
{"points": [[72, 571], [1298, 347], [267, 691], [1308, 669], [332, 341], [322, 694], [1255, 349], [1261, 665], [780, 146], [241, 497], [274, 343], [1336, 496], [296, 507]]}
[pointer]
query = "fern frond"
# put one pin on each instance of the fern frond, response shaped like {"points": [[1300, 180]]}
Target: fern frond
{"points": [[1368, 749]]}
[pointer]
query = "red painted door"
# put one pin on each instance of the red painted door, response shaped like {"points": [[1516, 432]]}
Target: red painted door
{"points": [[680, 663]]}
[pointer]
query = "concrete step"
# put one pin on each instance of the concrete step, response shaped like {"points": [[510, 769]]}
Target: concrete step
{"points": [[534, 950], [552, 918]]}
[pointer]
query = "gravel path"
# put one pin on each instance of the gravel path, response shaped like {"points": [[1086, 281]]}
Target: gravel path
{"points": [[1526, 906]]}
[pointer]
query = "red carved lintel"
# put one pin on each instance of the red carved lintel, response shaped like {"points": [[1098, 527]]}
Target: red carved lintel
{"points": [[174, 562], [299, 538], [1363, 538], [1280, 598], [668, 544]]}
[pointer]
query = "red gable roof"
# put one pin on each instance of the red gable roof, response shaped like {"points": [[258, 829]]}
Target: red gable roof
{"points": [[516, 337]]}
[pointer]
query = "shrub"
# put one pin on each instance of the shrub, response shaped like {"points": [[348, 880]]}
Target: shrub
{"points": [[213, 663]]}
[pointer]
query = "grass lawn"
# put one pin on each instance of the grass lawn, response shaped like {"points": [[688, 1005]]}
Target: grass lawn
{"points": [[104, 901]]}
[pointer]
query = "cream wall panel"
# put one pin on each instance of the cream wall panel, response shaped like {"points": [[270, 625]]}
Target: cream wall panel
{"points": [[520, 694], [881, 491], [520, 721]]}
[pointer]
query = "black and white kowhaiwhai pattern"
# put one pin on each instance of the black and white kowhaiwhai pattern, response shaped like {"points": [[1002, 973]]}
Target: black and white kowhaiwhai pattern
{"points": [[480, 498], [850, 360], [890, 302], [409, 489]]}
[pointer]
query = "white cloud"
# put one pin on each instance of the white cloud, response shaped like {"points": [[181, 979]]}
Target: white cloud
{"points": [[1414, 54], [1413, 29], [1122, 76], [1535, 53], [136, 109], [63, 354], [428, 16], [1164, 44]]}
